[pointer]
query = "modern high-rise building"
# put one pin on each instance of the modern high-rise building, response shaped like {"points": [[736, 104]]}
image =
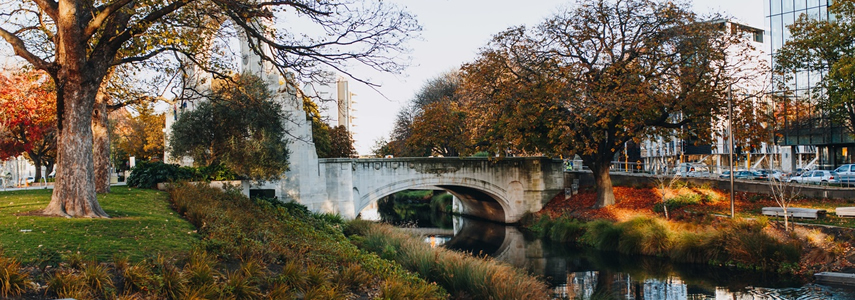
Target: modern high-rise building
{"points": [[335, 101], [809, 137]]}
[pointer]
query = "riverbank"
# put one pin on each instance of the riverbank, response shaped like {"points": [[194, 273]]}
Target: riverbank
{"points": [[197, 242], [696, 232], [232, 248]]}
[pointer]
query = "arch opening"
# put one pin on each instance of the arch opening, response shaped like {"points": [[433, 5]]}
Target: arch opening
{"points": [[474, 200], [477, 203]]}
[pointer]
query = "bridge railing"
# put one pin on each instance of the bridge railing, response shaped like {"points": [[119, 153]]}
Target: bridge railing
{"points": [[627, 167]]}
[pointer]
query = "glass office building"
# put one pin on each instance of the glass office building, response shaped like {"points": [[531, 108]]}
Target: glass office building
{"points": [[808, 134]]}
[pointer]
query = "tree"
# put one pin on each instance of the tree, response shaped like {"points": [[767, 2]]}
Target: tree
{"points": [[440, 127], [78, 42], [664, 183], [401, 133], [240, 127], [433, 123], [588, 80], [28, 119], [341, 143], [320, 129], [784, 192], [825, 45], [141, 135]]}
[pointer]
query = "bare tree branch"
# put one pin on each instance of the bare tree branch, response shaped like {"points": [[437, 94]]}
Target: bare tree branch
{"points": [[21, 50]]}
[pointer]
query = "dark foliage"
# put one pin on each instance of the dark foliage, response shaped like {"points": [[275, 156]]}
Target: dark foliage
{"points": [[241, 127]]}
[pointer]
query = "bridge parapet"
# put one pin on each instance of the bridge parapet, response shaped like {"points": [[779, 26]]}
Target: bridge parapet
{"points": [[500, 190]]}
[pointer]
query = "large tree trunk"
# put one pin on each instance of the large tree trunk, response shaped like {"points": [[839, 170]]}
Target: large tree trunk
{"points": [[603, 184], [74, 191], [37, 162], [101, 140], [77, 80]]}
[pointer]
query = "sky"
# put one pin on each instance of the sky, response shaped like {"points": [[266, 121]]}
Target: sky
{"points": [[453, 32]]}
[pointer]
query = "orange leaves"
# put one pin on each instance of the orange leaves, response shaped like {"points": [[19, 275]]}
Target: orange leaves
{"points": [[27, 112]]}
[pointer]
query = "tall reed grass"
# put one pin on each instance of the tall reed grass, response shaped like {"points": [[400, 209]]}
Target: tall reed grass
{"points": [[460, 274], [739, 243]]}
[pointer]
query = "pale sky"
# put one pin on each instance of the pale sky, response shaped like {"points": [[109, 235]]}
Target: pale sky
{"points": [[453, 31]]}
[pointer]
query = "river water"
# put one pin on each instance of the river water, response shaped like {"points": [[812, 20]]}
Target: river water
{"points": [[580, 273]]}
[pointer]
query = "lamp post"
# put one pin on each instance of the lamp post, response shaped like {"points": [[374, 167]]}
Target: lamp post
{"points": [[730, 151]]}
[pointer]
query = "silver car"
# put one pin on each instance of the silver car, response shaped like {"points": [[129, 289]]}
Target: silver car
{"points": [[847, 173], [817, 177]]}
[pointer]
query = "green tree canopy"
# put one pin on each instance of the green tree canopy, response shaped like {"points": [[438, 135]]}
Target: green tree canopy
{"points": [[240, 127], [824, 45]]}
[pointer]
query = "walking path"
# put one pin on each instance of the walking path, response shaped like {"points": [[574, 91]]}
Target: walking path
{"points": [[43, 187]]}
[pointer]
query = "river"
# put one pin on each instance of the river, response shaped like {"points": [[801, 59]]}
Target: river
{"points": [[582, 273]]}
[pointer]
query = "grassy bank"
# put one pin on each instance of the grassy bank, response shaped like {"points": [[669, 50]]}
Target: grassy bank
{"points": [[463, 276], [244, 249], [743, 244], [142, 223], [696, 233]]}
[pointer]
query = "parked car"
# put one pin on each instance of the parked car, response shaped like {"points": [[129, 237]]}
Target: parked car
{"points": [[765, 174], [822, 177], [744, 175], [761, 174], [738, 175], [847, 173], [693, 170]]}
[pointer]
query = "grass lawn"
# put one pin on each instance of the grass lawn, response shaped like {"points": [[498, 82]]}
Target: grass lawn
{"points": [[142, 224]]}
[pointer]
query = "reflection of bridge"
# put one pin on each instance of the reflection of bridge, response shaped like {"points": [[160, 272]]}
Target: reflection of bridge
{"points": [[346, 186]]}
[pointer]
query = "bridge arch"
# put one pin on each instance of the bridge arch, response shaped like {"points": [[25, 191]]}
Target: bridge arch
{"points": [[472, 193]]}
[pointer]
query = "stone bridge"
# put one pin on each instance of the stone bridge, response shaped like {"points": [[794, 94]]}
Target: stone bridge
{"points": [[498, 190], [502, 190]]}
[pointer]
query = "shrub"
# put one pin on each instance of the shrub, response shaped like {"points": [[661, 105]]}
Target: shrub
{"points": [[97, 277], [148, 174], [682, 201], [644, 235], [566, 230], [693, 247], [602, 235], [138, 278], [66, 283], [14, 280]]}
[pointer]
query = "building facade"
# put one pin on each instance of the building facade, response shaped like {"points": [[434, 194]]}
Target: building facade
{"points": [[335, 101], [809, 137]]}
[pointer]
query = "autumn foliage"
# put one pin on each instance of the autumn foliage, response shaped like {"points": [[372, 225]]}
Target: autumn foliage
{"points": [[28, 118]]}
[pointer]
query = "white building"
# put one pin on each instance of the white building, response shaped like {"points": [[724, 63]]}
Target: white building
{"points": [[667, 151], [335, 101]]}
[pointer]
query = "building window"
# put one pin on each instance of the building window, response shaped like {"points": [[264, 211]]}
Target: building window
{"points": [[800, 4], [787, 5], [776, 6]]}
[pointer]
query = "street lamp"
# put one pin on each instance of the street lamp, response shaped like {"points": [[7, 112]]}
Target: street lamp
{"points": [[730, 151]]}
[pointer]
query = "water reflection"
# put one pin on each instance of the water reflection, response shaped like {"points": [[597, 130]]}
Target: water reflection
{"points": [[580, 273]]}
